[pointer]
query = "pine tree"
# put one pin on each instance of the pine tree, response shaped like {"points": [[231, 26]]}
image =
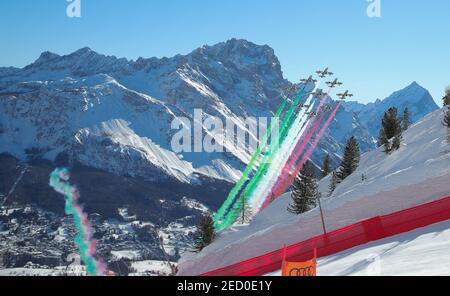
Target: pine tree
{"points": [[350, 161], [245, 212], [205, 233], [446, 99], [382, 138], [406, 119], [304, 190], [396, 142], [391, 131], [446, 120], [326, 167], [333, 184]]}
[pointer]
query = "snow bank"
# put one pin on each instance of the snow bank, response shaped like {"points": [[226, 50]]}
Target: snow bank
{"points": [[422, 252], [416, 174]]}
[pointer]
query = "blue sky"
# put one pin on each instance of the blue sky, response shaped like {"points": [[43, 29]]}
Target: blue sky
{"points": [[373, 56]]}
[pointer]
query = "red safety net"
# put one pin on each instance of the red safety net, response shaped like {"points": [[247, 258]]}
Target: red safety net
{"points": [[343, 239]]}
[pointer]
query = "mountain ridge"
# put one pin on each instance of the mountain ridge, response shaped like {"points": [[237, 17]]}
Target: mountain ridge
{"points": [[112, 117], [231, 79]]}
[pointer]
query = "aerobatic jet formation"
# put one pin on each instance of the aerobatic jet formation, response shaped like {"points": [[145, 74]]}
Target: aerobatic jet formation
{"points": [[334, 83], [324, 73], [308, 80], [319, 93], [345, 95]]}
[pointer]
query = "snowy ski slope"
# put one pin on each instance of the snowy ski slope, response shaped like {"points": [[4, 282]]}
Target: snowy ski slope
{"points": [[416, 174], [423, 252]]}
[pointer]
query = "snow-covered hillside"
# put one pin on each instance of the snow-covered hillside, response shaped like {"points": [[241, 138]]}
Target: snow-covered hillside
{"points": [[417, 173], [422, 252]]}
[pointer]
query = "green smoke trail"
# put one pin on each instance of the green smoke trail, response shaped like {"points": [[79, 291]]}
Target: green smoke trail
{"points": [[264, 165], [59, 182], [245, 175]]}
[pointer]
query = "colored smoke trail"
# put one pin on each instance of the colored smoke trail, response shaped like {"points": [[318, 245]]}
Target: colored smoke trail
{"points": [[248, 170], [286, 171], [277, 166], [231, 211], [279, 190], [59, 182], [273, 151], [261, 194], [296, 152], [280, 159], [245, 175]]}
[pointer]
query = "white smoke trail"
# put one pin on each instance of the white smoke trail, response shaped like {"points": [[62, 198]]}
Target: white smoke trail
{"points": [[279, 161]]}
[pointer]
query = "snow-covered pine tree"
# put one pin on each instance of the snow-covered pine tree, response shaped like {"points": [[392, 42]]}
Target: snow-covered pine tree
{"points": [[446, 99], [245, 212], [350, 160], [326, 167], [382, 138], [205, 233], [391, 131], [446, 120], [333, 183], [406, 119], [304, 190]]}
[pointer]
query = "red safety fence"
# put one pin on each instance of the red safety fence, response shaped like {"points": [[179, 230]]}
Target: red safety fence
{"points": [[343, 239]]}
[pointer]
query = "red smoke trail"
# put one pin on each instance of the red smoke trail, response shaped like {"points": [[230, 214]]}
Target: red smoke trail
{"points": [[293, 158], [279, 190], [301, 140], [297, 150]]}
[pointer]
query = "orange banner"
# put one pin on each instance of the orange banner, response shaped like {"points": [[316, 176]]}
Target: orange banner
{"points": [[308, 268]]}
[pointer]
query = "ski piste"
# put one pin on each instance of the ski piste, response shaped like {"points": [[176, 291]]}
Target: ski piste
{"points": [[13, 188], [248, 170], [231, 214]]}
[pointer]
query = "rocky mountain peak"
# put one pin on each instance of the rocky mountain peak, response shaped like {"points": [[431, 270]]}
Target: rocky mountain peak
{"points": [[242, 54]]}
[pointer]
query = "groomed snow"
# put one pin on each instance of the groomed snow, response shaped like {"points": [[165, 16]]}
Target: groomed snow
{"points": [[423, 252], [151, 267], [416, 174]]}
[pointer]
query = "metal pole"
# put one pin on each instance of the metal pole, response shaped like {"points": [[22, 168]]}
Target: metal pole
{"points": [[321, 215]]}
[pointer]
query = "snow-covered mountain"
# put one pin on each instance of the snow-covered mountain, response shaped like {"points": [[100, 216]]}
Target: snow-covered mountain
{"points": [[111, 119], [115, 114], [417, 173], [415, 97]]}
